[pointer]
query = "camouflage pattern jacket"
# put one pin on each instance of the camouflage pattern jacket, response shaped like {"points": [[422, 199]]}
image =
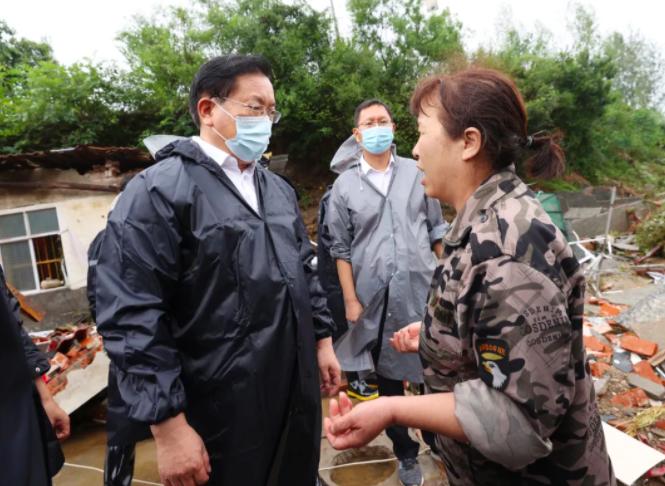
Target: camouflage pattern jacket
{"points": [[503, 332]]}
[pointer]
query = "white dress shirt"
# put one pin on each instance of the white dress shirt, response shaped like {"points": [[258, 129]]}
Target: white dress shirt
{"points": [[242, 180], [380, 179]]}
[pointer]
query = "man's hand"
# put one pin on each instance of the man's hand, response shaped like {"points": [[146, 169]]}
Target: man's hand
{"points": [[353, 309], [182, 458], [56, 415], [407, 339], [349, 426], [329, 368]]}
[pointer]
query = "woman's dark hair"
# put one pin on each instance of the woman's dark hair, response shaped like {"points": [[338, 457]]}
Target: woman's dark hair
{"points": [[489, 101], [217, 77]]}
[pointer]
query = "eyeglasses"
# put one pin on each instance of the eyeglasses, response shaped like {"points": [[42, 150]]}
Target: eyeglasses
{"points": [[372, 123], [257, 110]]}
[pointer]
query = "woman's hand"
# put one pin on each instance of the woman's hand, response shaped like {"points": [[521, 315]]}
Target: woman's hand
{"points": [[349, 426], [407, 339]]}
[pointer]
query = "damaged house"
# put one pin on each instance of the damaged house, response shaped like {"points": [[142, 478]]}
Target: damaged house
{"points": [[52, 205]]}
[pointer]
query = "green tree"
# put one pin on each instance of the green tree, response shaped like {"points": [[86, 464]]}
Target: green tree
{"points": [[15, 51], [57, 106], [640, 70], [318, 79]]}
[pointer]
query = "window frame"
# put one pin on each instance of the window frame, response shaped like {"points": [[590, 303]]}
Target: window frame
{"points": [[30, 237]]}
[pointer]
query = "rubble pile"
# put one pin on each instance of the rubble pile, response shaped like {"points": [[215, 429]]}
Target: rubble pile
{"points": [[68, 348], [625, 343]]}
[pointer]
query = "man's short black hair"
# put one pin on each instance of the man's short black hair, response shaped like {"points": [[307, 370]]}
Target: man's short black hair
{"points": [[367, 104], [217, 77]]}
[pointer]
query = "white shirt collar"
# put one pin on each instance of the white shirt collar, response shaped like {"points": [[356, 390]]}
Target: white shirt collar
{"points": [[224, 159], [366, 168]]}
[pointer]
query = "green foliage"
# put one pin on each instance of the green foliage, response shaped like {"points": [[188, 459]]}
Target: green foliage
{"points": [[56, 106], [652, 231], [640, 70], [14, 51], [609, 130], [318, 79]]}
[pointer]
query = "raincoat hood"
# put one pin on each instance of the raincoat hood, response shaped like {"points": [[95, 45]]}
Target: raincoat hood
{"points": [[155, 144]]}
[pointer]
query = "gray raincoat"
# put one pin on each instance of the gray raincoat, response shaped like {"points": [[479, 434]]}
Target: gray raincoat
{"points": [[388, 241]]}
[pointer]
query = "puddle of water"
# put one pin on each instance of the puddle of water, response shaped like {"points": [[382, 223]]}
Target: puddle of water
{"points": [[366, 474]]}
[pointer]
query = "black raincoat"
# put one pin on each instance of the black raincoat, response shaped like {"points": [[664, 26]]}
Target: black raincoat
{"points": [[28, 447], [209, 308]]}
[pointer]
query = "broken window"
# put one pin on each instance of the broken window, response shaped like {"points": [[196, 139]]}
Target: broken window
{"points": [[31, 250]]}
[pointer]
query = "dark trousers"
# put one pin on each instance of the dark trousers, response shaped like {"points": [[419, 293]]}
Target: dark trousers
{"points": [[119, 465], [122, 436], [404, 446]]}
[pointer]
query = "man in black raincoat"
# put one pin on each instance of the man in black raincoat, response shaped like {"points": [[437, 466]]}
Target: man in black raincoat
{"points": [[207, 300], [29, 417]]}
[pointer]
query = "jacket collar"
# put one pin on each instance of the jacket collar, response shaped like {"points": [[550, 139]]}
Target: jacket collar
{"points": [[494, 188]]}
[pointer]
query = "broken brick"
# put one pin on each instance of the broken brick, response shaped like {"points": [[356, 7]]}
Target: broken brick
{"points": [[609, 310], [645, 370], [631, 399], [598, 368], [639, 346], [593, 344]]}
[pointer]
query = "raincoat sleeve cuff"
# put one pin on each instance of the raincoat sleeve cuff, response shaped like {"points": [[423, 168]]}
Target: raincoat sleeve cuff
{"points": [[341, 253], [321, 332], [437, 232], [37, 361], [152, 398], [496, 427]]}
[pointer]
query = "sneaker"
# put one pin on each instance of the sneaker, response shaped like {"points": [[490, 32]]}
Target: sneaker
{"points": [[410, 473], [359, 390], [372, 386]]}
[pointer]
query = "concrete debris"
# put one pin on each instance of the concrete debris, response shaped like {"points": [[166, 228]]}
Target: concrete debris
{"points": [[654, 390]]}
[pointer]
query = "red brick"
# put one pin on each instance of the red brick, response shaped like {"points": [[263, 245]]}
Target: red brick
{"points": [[644, 369], [598, 368], [609, 310], [639, 346], [593, 344], [631, 399]]}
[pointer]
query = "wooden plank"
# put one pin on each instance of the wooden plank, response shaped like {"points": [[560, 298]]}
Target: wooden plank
{"points": [[30, 311]]}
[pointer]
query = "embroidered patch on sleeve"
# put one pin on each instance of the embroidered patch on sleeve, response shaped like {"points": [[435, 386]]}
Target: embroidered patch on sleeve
{"points": [[495, 364]]}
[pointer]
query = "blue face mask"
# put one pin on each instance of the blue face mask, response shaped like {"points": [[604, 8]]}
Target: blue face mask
{"points": [[377, 140], [252, 136]]}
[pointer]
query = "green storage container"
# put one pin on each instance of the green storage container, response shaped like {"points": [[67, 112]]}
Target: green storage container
{"points": [[552, 206]]}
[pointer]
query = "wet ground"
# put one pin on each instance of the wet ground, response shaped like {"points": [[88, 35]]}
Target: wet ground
{"points": [[84, 456]]}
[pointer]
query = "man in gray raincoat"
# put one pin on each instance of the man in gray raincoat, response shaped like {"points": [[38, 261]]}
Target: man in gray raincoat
{"points": [[384, 234]]}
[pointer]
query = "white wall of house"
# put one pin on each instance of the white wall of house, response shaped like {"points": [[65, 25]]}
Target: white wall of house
{"points": [[79, 221]]}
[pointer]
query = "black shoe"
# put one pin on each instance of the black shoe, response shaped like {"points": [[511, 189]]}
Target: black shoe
{"points": [[360, 390]]}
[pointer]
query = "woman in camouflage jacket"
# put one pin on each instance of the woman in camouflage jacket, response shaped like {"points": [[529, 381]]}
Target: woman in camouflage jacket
{"points": [[509, 392]]}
